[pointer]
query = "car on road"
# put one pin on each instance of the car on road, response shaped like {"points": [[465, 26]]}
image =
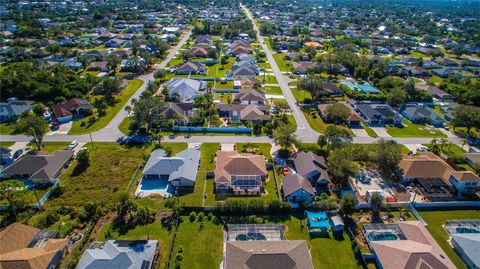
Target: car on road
{"points": [[422, 149], [72, 145], [197, 146], [17, 153]]}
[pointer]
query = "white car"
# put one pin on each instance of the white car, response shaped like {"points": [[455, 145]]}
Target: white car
{"points": [[72, 145], [422, 149]]}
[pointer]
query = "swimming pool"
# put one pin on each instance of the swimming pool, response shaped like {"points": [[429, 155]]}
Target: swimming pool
{"points": [[364, 88], [250, 237], [153, 184], [382, 236]]}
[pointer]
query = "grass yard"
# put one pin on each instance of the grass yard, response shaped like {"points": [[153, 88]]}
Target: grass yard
{"points": [[319, 125], [156, 232], [110, 170], [6, 128], [283, 65], [301, 95], [275, 90], [195, 198], [291, 121], [435, 220], [202, 247], [50, 147], [122, 98], [269, 79], [123, 127], [6, 144], [369, 130], [414, 130]]}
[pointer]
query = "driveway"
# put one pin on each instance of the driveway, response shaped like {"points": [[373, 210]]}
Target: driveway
{"points": [[360, 132], [63, 129], [227, 146], [381, 131]]}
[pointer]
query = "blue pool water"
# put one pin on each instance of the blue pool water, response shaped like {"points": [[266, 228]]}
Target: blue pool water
{"points": [[155, 184], [364, 88], [382, 236]]}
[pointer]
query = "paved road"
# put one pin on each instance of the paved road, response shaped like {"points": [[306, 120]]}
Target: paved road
{"points": [[304, 131]]}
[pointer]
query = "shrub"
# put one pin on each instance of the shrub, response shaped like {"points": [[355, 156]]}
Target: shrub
{"points": [[200, 216], [192, 216]]}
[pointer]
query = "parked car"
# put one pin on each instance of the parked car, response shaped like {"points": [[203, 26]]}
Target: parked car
{"points": [[17, 153], [422, 149], [72, 145], [285, 171]]}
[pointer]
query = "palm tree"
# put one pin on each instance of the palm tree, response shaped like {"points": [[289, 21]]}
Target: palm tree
{"points": [[143, 218], [8, 190]]}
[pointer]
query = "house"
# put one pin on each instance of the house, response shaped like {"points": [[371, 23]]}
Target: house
{"points": [[39, 168], [418, 113], [24, 246], [203, 39], [73, 64], [437, 93], [245, 69], [250, 83], [250, 97], [236, 112], [187, 89], [119, 254], [428, 166], [378, 114], [465, 240], [313, 44], [446, 62], [101, 66], [285, 254], [240, 47], [180, 170], [13, 108], [407, 244], [442, 72], [329, 89], [199, 52], [192, 68], [301, 68], [297, 189], [239, 173], [312, 167], [353, 120], [178, 111], [473, 159], [73, 108], [415, 71]]}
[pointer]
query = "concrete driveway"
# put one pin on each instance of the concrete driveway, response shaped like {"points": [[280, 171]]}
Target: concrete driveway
{"points": [[360, 132], [381, 131]]}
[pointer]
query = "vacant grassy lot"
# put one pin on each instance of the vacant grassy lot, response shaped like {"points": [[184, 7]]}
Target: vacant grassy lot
{"points": [[435, 220], [301, 95], [6, 128], [202, 247], [284, 65], [275, 90], [414, 130], [122, 98]]}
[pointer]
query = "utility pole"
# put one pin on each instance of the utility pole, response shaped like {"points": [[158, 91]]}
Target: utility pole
{"points": [[91, 140]]}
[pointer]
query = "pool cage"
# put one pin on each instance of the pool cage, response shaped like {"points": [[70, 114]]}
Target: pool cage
{"points": [[462, 226], [254, 232], [382, 231]]}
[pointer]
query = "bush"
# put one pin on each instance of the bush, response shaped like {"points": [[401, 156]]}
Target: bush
{"points": [[200, 216], [192, 216]]}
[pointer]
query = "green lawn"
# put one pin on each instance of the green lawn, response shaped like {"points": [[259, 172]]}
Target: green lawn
{"points": [[369, 130], [123, 127], [6, 144], [6, 128], [435, 220], [291, 121], [202, 247], [319, 125], [301, 95], [195, 198], [414, 130], [276, 90], [283, 65], [50, 147], [27, 197], [122, 98], [269, 79]]}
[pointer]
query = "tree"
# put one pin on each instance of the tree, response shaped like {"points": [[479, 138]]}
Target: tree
{"points": [[38, 109], [8, 190], [322, 141], [34, 126], [341, 165], [376, 202], [388, 155], [284, 135], [396, 97], [113, 61], [348, 204], [338, 113], [311, 84], [90, 208], [174, 204], [142, 217], [83, 159], [280, 106], [334, 136], [160, 74], [468, 116]]}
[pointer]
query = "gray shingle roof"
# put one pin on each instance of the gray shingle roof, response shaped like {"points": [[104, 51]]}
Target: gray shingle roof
{"points": [[183, 165], [40, 167], [294, 182], [120, 255]]}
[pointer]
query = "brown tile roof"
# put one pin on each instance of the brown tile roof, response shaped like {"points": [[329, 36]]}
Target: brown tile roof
{"points": [[419, 250], [354, 117], [250, 95], [284, 254], [232, 163], [429, 165], [16, 236], [65, 108], [15, 252], [306, 162], [473, 157]]}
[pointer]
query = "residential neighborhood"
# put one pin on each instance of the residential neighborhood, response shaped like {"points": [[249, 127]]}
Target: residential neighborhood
{"points": [[240, 134]]}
